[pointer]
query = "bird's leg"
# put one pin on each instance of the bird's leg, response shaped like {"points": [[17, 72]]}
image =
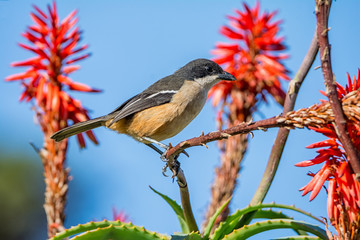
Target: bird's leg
{"points": [[162, 145], [173, 165], [154, 148], [158, 150]]}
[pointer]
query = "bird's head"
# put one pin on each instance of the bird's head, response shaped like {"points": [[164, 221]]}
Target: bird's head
{"points": [[205, 72]]}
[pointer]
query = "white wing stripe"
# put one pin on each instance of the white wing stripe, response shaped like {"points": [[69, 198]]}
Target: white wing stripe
{"points": [[126, 107], [151, 96], [162, 92]]}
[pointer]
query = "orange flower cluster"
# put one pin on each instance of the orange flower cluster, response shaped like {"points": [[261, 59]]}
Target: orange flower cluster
{"points": [[55, 44], [254, 59], [343, 202]]}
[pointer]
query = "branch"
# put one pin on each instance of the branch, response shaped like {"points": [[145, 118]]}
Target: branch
{"points": [[316, 116], [242, 128], [322, 9]]}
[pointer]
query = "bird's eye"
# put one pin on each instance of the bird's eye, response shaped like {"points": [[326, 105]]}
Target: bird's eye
{"points": [[209, 69]]}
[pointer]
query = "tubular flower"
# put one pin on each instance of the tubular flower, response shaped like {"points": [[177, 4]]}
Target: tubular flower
{"points": [[343, 202], [55, 44], [253, 58]]}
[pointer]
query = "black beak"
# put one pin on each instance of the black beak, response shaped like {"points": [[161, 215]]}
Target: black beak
{"points": [[226, 76]]}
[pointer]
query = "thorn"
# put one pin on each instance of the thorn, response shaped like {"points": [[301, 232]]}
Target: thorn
{"points": [[316, 68], [262, 128], [203, 144], [185, 153], [252, 135], [225, 135], [324, 33], [202, 134], [183, 143]]}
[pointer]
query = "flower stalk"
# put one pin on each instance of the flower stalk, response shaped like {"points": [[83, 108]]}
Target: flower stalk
{"points": [[254, 59], [283, 133], [55, 45]]}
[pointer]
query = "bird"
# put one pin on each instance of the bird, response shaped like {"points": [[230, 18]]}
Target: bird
{"points": [[162, 110]]}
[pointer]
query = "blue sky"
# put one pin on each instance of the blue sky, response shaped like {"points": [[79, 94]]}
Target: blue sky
{"points": [[135, 43]]}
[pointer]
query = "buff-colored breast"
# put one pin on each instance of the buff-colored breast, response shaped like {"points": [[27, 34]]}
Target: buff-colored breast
{"points": [[167, 120]]}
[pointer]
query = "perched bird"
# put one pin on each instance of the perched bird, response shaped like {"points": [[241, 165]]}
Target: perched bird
{"points": [[162, 110]]}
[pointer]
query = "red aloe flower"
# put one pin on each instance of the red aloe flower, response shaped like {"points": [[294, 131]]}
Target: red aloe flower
{"points": [[343, 204], [254, 57], [55, 45]]}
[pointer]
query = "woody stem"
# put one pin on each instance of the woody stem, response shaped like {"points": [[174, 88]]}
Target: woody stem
{"points": [[322, 17]]}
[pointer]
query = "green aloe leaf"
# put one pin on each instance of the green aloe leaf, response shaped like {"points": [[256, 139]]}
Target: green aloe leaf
{"points": [[106, 230], [258, 227], [211, 222], [177, 209], [191, 236], [270, 214], [120, 233], [299, 238], [227, 226]]}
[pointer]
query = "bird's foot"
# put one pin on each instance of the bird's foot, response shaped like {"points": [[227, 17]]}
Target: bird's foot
{"points": [[174, 167], [172, 163]]}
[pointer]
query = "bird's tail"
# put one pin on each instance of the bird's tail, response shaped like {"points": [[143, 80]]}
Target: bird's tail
{"points": [[79, 128]]}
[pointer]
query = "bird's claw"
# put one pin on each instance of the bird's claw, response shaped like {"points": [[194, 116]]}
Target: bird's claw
{"points": [[164, 170], [174, 166]]}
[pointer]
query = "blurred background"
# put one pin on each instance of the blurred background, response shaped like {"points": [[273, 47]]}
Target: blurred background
{"points": [[135, 43]]}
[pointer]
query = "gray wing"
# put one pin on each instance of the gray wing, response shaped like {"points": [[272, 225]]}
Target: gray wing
{"points": [[141, 102], [159, 93]]}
